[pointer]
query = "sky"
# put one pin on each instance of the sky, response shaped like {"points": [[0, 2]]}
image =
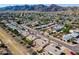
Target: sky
{"points": [[65, 3], [38, 1]]}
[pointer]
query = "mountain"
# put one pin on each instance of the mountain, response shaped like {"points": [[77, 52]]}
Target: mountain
{"points": [[39, 7], [54, 7]]}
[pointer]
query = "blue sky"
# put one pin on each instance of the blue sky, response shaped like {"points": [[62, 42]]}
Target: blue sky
{"points": [[3, 5], [68, 5]]}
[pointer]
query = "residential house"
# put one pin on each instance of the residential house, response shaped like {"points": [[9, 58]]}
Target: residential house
{"points": [[52, 49]]}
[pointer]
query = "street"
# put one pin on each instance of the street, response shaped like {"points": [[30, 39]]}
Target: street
{"points": [[14, 47], [71, 47]]}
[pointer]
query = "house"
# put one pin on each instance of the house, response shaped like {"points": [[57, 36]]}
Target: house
{"points": [[58, 27], [76, 30], [39, 43], [51, 49], [42, 26], [12, 26], [31, 37], [67, 37], [70, 36], [77, 40], [75, 34]]}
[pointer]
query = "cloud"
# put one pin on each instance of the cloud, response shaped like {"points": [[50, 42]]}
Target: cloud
{"points": [[39, 1]]}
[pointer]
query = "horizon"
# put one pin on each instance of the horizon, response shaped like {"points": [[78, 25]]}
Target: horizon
{"points": [[63, 5]]}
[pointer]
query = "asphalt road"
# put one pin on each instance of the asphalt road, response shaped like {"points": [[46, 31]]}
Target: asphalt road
{"points": [[14, 47], [74, 48]]}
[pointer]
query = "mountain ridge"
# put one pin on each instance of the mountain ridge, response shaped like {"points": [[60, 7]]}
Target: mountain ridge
{"points": [[39, 7]]}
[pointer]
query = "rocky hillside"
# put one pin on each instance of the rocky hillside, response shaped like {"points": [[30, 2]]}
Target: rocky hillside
{"points": [[39, 7]]}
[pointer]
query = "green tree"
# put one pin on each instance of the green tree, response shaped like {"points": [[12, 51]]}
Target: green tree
{"points": [[28, 41], [66, 28]]}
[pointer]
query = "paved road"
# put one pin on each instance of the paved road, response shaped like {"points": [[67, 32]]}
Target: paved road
{"points": [[73, 48], [14, 47]]}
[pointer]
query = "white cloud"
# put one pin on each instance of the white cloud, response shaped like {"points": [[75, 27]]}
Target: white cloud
{"points": [[39, 1]]}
